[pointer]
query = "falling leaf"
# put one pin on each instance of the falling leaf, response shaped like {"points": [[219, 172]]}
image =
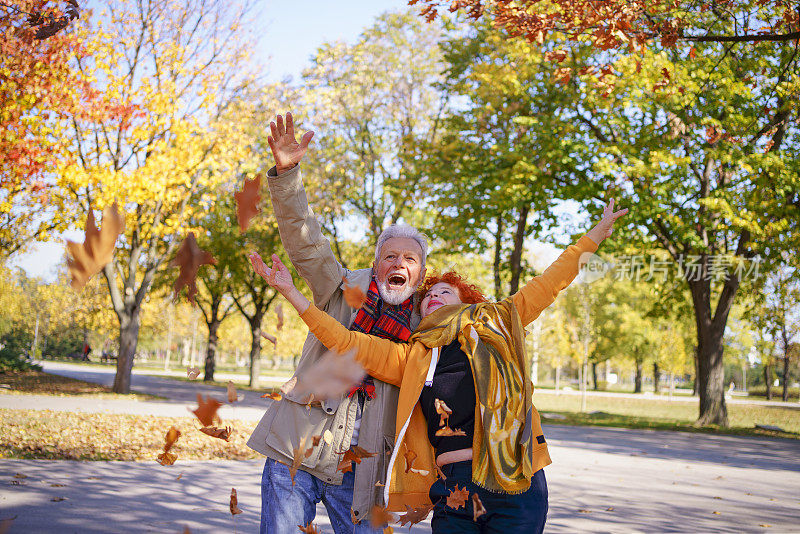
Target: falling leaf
{"points": [[329, 377], [422, 472], [610, 509], [447, 431], [353, 454], [716, 513], [439, 472], [458, 497], [410, 457], [327, 436], [310, 528], [20, 475], [270, 338], [692, 53], [179, 477], [300, 453], [234, 503], [189, 258], [415, 515], [206, 410], [315, 440], [273, 396], [380, 484], [58, 499], [353, 295], [172, 436], [279, 315], [247, 202], [192, 372], [166, 458], [88, 258], [378, 517], [221, 433], [443, 410], [232, 395], [584, 511], [477, 507]]}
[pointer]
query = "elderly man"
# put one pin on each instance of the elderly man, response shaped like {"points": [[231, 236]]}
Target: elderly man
{"points": [[365, 417]]}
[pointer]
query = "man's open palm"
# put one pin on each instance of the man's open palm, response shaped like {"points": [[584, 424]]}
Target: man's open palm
{"points": [[285, 148]]}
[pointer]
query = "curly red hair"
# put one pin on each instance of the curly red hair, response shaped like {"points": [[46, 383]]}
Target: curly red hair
{"points": [[468, 293]]}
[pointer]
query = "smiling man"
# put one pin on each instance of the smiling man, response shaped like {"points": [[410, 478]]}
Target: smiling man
{"points": [[366, 416]]}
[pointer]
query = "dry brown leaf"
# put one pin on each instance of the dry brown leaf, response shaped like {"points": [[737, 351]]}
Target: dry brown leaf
{"points": [[192, 372], [316, 439], [172, 436], [273, 396], [423, 472], [247, 202], [88, 258], [221, 433], [179, 476], [166, 458], [206, 410], [353, 295], [447, 431], [310, 528], [232, 395], [410, 457], [330, 377], [300, 453], [477, 507], [415, 515], [279, 314], [272, 339], [189, 258], [234, 503], [443, 410], [439, 472], [327, 437], [379, 517], [458, 497], [353, 454]]}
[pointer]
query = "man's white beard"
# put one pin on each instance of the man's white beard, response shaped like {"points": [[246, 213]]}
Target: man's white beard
{"points": [[393, 296]]}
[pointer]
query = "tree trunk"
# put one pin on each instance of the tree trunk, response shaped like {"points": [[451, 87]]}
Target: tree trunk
{"points": [[498, 249], [768, 380], [696, 372], [785, 336], [211, 351], [637, 387], [558, 378], [255, 354], [515, 262], [711, 378], [128, 339], [656, 378], [594, 375]]}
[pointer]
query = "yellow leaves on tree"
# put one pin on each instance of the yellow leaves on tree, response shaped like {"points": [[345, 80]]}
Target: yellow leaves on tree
{"points": [[458, 497], [353, 295], [234, 503], [247, 202], [97, 249], [189, 258]]}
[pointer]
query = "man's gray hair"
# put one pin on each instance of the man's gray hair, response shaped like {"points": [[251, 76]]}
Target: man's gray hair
{"points": [[402, 230]]}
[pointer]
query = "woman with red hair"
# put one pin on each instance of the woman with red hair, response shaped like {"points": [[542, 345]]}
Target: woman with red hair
{"points": [[465, 410]]}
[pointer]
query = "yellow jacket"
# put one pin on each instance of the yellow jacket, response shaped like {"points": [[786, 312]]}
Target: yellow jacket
{"points": [[407, 364]]}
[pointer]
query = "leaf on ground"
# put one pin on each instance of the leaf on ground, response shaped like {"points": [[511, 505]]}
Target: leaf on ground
{"points": [[247, 202], [353, 295], [192, 372], [273, 396], [443, 410], [232, 395], [58, 499], [189, 258], [610, 509], [166, 458], [415, 515], [379, 517], [447, 431], [717, 513], [330, 377], [458, 497], [88, 258], [20, 475], [310, 528], [272, 339], [172, 436], [221, 433], [206, 410], [58, 485], [234, 503], [279, 315], [584, 511], [179, 477], [477, 507]]}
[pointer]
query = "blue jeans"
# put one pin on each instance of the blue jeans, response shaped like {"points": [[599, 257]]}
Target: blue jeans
{"points": [[505, 513], [284, 507]]}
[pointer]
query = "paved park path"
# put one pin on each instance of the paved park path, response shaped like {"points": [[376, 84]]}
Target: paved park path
{"points": [[601, 480]]}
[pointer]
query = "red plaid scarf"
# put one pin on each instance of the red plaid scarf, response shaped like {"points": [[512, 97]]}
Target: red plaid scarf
{"points": [[383, 320]]}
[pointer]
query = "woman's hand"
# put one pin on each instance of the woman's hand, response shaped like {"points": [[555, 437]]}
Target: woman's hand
{"points": [[605, 227], [280, 278]]}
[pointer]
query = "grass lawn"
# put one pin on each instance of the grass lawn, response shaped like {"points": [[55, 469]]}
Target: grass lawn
{"points": [[100, 436], [661, 414], [39, 383]]}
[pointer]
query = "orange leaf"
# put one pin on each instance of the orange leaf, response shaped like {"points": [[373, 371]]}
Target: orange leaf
{"points": [[234, 503], [692, 53], [232, 395], [189, 258], [206, 410], [415, 515], [353, 295], [440, 472], [410, 457], [330, 376], [221, 433], [167, 458], [353, 454], [300, 453], [279, 314], [172, 436], [310, 528], [247, 202], [192, 372], [273, 396], [379, 517], [443, 410], [477, 507], [447, 431], [88, 258], [458, 497]]}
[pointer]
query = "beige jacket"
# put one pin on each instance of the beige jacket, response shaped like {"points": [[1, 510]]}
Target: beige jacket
{"points": [[287, 421]]}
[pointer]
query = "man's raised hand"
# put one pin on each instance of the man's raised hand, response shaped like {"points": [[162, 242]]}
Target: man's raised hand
{"points": [[285, 148]]}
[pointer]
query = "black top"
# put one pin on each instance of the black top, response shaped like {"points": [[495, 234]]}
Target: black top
{"points": [[452, 383]]}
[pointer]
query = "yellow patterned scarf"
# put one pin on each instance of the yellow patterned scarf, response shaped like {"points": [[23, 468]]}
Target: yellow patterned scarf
{"points": [[490, 335]]}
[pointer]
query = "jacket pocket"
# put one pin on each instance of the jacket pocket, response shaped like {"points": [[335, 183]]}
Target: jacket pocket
{"points": [[293, 422]]}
